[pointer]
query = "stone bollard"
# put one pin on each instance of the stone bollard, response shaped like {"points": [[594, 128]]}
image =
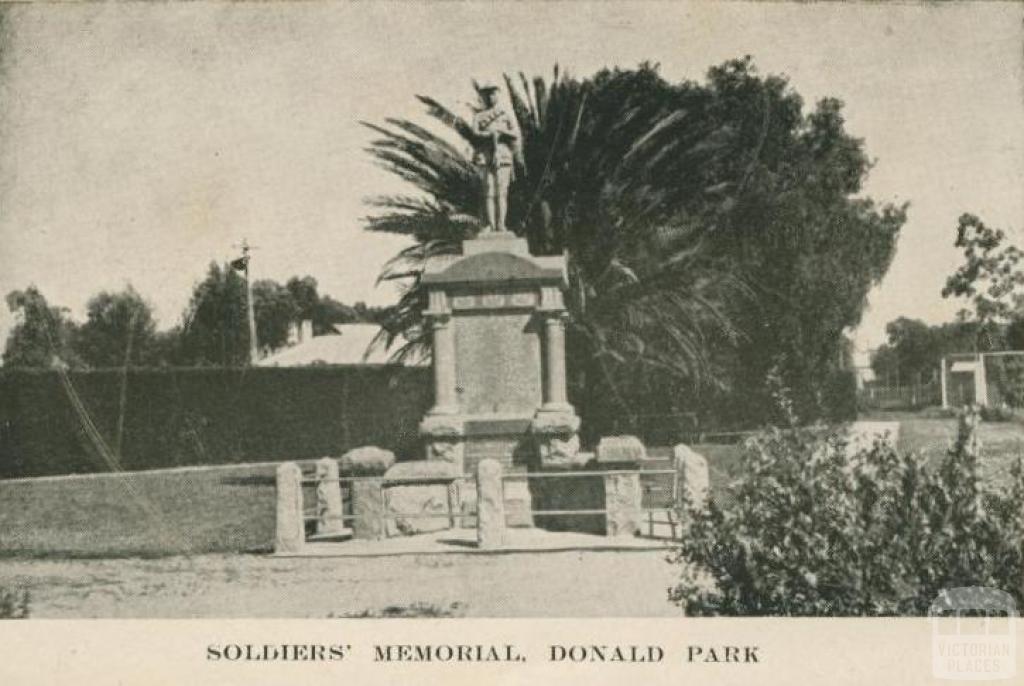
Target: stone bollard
{"points": [[368, 509], [692, 480], [622, 450], [291, 530], [490, 505], [622, 501], [328, 497]]}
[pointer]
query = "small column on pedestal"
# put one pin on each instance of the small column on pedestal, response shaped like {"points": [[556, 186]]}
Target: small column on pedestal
{"points": [[443, 354], [442, 428], [552, 310], [555, 424], [555, 396]]}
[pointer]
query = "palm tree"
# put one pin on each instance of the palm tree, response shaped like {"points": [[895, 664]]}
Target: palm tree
{"points": [[602, 173]]}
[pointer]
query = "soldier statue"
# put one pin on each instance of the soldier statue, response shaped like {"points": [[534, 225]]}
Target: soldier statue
{"points": [[494, 154]]}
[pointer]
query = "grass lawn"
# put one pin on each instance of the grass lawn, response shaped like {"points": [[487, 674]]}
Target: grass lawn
{"points": [[1001, 442], [139, 514]]}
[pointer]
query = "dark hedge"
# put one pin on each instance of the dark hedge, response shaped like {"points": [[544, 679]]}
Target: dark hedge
{"points": [[197, 416], [839, 401]]}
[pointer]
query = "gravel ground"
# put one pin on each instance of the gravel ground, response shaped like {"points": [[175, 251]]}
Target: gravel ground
{"points": [[563, 584]]}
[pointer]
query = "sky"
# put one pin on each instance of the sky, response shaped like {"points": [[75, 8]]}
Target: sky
{"points": [[138, 142]]}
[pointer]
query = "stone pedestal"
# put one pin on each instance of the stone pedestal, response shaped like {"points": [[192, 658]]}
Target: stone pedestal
{"points": [[554, 432], [444, 440], [497, 321]]}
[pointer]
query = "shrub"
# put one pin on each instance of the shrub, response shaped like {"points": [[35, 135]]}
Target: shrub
{"points": [[998, 413], [811, 529], [13, 605]]}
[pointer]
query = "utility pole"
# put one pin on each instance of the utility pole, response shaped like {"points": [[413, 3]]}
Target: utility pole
{"points": [[250, 313]]}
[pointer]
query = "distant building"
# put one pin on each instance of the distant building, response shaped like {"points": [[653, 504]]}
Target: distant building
{"points": [[966, 377], [349, 344], [860, 363]]}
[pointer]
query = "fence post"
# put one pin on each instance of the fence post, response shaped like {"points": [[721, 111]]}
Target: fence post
{"points": [[291, 530], [942, 380], [693, 481], [490, 505], [622, 502], [368, 509], [328, 497]]}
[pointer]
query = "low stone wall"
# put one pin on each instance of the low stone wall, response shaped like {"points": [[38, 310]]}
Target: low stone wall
{"points": [[436, 498]]}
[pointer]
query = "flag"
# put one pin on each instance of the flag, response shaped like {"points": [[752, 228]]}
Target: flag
{"points": [[240, 264]]}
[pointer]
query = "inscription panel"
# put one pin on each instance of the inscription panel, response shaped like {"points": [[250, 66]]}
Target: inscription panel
{"points": [[495, 301], [498, 363]]}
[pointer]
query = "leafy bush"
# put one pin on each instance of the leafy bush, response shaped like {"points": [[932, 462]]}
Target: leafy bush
{"points": [[13, 605], [812, 528], [999, 413]]}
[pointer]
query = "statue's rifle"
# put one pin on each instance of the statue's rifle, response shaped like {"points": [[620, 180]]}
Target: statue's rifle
{"points": [[485, 124]]}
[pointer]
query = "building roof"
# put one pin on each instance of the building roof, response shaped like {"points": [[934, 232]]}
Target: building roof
{"points": [[351, 344]]}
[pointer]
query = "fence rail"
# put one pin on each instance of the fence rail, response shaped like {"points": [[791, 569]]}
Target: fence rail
{"points": [[895, 397], [628, 505], [594, 472], [425, 480]]}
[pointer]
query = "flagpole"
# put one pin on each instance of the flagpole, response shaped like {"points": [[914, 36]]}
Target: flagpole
{"points": [[249, 306]]}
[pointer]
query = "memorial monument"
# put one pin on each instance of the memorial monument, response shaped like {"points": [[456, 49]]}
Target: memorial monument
{"points": [[497, 318]]}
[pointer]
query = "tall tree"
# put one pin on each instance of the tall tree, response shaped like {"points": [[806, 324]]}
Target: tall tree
{"points": [[991, 278], [305, 297], [914, 349], [42, 335], [275, 309], [713, 231], [119, 331], [788, 216], [215, 331]]}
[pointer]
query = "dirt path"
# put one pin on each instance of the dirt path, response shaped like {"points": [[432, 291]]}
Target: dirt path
{"points": [[564, 584]]}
